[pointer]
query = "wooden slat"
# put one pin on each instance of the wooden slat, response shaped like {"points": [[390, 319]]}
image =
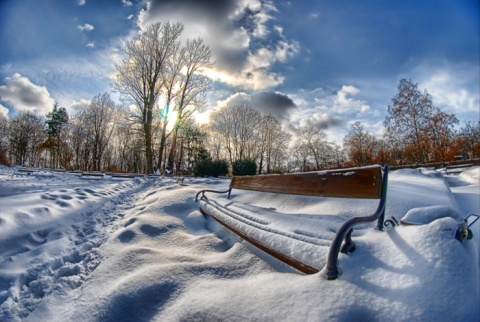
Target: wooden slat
{"points": [[123, 175], [346, 183], [304, 268]]}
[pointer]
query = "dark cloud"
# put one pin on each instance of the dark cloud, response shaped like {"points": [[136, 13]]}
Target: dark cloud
{"points": [[244, 44], [218, 8], [321, 121], [276, 103], [325, 123], [212, 15]]}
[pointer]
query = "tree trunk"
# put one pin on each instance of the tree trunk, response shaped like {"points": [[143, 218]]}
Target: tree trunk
{"points": [[162, 145], [171, 155]]}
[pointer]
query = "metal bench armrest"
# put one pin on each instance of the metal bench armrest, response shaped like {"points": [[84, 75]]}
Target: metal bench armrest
{"points": [[212, 191], [344, 232]]}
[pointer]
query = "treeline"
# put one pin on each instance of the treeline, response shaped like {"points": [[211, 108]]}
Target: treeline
{"points": [[102, 137], [161, 75]]}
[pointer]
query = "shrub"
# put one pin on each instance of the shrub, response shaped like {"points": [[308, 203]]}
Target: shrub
{"points": [[244, 168], [207, 167], [219, 168], [201, 168]]}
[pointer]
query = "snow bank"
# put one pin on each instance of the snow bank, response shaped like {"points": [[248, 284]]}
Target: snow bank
{"points": [[471, 175]]}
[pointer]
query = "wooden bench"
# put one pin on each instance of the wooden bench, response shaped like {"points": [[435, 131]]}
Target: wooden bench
{"points": [[123, 175], [365, 183], [457, 169], [92, 174], [24, 171], [58, 171]]}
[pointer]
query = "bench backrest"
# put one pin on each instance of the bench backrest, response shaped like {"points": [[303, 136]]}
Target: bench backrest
{"points": [[365, 182]]}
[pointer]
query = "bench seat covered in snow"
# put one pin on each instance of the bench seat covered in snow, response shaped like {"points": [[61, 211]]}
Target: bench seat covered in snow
{"points": [[330, 237]]}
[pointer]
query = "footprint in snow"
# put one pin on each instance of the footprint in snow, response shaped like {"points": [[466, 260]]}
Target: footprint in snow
{"points": [[129, 222], [126, 236]]}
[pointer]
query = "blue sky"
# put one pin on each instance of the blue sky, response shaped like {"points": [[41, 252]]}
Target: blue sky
{"points": [[308, 62]]}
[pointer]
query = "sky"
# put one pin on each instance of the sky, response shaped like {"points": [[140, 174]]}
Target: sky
{"points": [[328, 63]]}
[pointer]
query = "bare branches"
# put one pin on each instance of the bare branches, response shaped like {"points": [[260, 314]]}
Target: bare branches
{"points": [[141, 75], [193, 86], [359, 144]]}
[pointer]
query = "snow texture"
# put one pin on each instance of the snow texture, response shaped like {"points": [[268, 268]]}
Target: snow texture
{"points": [[138, 249]]}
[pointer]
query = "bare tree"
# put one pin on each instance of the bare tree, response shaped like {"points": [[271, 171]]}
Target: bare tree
{"points": [[78, 143], [214, 142], [301, 157], [98, 120], [238, 125], [170, 78], [193, 86], [338, 156], [139, 77], [272, 144], [26, 133], [383, 152], [315, 140], [470, 139], [3, 139], [359, 145]]}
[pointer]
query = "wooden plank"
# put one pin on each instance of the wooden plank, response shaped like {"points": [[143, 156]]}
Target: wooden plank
{"points": [[304, 268], [123, 175], [346, 183], [93, 174], [24, 171]]}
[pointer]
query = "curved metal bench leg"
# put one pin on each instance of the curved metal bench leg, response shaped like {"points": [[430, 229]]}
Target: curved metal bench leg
{"points": [[349, 246]]}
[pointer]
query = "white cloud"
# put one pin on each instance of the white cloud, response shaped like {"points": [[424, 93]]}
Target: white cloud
{"points": [[279, 30], [26, 96], [234, 99], [3, 110], [254, 73], [449, 92], [90, 45], [260, 19], [76, 106], [454, 87], [333, 111], [248, 78], [242, 6], [127, 3], [345, 103], [81, 2], [86, 27]]}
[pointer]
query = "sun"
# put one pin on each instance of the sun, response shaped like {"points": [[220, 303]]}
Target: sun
{"points": [[202, 118], [171, 117]]}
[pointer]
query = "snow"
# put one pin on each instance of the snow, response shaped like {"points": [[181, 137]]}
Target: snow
{"points": [[105, 249]]}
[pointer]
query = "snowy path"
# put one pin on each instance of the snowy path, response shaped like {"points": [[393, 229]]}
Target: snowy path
{"points": [[155, 238], [58, 252]]}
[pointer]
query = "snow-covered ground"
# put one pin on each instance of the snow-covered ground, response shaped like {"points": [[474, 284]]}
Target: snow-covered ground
{"points": [[74, 249]]}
